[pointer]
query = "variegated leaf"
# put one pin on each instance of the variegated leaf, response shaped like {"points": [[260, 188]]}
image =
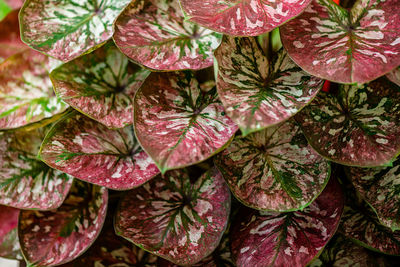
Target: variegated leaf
{"points": [[154, 33], [10, 41], [101, 85], [9, 245], [178, 123], [357, 125], [26, 93], [91, 152], [66, 29], [345, 46], [275, 169], [242, 18], [25, 181], [175, 218], [257, 93], [276, 239], [394, 76], [58, 236]]}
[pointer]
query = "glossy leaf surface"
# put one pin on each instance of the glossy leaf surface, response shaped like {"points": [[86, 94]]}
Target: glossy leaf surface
{"points": [[257, 93], [101, 85], [91, 152], [345, 46], [10, 41], [154, 33], [9, 245], [58, 236], [175, 218], [177, 123], [66, 29], [357, 125]]}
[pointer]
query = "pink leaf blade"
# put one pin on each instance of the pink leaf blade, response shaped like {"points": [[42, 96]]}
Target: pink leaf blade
{"points": [[10, 41], [9, 245]]}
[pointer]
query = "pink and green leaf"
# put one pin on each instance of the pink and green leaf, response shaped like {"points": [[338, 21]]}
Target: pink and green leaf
{"points": [[175, 218], [58, 236], [15, 4], [394, 76], [242, 18], [90, 151], [356, 125], [345, 46], [155, 34], [10, 41], [9, 245], [177, 123], [257, 93], [101, 85], [66, 29]]}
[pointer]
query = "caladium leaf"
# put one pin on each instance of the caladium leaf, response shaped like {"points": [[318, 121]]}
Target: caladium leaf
{"points": [[26, 92], [275, 169], [177, 123], [274, 239], [154, 33], [66, 29], [345, 46], [257, 93], [101, 85], [10, 41], [89, 151], [175, 218], [357, 125], [242, 18], [9, 245], [49, 238], [25, 181], [394, 76]]}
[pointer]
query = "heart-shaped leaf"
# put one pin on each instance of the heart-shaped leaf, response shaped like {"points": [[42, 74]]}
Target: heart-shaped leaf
{"points": [[357, 125], [25, 181], [175, 218], [177, 123], [9, 245], [154, 33], [90, 151], [345, 46], [275, 169], [26, 92], [275, 239], [394, 76], [49, 238], [66, 29], [257, 93], [101, 85], [10, 41], [242, 18]]}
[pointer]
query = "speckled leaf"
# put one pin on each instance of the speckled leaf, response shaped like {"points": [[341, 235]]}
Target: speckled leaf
{"points": [[394, 76], [25, 181], [66, 29], [58, 236], [9, 245], [276, 239], [91, 152], [357, 125], [275, 169], [178, 123], [344, 46], [257, 93], [26, 93], [242, 18], [10, 41], [101, 85], [175, 218], [154, 33]]}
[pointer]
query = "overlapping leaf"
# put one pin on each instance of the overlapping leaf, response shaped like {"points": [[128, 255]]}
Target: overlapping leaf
{"points": [[154, 33], [25, 181], [58, 236], [355, 125], [179, 220], [177, 123], [394, 76], [10, 41], [345, 46], [101, 85], [9, 245], [91, 152], [242, 18], [275, 169], [66, 29], [257, 93], [276, 239], [26, 93]]}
